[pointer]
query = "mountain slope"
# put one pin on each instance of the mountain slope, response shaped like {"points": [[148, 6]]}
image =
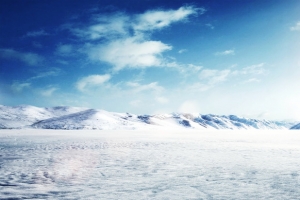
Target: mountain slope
{"points": [[25, 115], [83, 118], [296, 127], [91, 119]]}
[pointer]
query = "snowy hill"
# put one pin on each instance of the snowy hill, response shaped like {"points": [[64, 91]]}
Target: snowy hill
{"points": [[91, 119], [70, 118], [25, 115]]}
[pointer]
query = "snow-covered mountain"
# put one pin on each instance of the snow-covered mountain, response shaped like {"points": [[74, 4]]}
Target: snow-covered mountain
{"points": [[296, 127], [25, 115], [91, 119], [71, 118]]}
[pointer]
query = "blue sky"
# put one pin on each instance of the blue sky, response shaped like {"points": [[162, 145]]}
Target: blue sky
{"points": [[223, 57]]}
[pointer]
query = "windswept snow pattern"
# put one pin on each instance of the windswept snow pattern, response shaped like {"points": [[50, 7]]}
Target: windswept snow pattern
{"points": [[187, 164], [71, 118]]}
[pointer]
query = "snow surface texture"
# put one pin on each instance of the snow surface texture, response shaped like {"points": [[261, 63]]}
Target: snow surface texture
{"points": [[48, 164], [71, 118]]}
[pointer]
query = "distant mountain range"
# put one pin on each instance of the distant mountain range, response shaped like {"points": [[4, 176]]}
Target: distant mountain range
{"points": [[71, 118]]}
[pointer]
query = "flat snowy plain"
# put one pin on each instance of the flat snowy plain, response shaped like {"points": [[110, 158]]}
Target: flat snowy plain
{"points": [[161, 164]]}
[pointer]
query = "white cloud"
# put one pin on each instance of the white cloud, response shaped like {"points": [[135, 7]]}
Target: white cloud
{"points": [[19, 87], [64, 49], [48, 92], [130, 53], [63, 62], [252, 80], [253, 69], [105, 26], [162, 100], [182, 51], [135, 103], [189, 107], [214, 76], [210, 26], [36, 33], [28, 58], [209, 78], [157, 19], [198, 87], [126, 39], [185, 69], [225, 53], [91, 81], [296, 27], [51, 72], [137, 87]]}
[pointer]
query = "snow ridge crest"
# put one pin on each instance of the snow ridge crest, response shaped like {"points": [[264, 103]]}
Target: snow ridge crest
{"points": [[71, 118]]}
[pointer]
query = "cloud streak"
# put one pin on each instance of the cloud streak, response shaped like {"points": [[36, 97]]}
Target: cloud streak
{"points": [[137, 87], [91, 81], [214, 76], [51, 72], [19, 87], [36, 33], [252, 69], [48, 92], [225, 53], [31, 59], [209, 78]]}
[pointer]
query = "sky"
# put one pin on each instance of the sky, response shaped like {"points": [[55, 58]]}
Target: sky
{"points": [[226, 57]]}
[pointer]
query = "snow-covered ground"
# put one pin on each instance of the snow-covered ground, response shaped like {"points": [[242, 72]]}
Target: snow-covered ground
{"points": [[161, 164]]}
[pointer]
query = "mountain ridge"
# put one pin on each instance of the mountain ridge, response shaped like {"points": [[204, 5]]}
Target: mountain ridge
{"points": [[72, 118]]}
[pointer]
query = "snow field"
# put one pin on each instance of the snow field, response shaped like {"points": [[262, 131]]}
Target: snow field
{"points": [[156, 164]]}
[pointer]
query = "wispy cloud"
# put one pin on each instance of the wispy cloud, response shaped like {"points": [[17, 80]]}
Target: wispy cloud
{"points": [[189, 106], [36, 33], [137, 87], [198, 87], [214, 76], [104, 26], [296, 27], [209, 78], [252, 80], [19, 87], [91, 81], [124, 41], [182, 51], [28, 58], [162, 100], [48, 92], [158, 19], [225, 53], [135, 103], [185, 69], [50, 72], [64, 49], [210, 26], [252, 69]]}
